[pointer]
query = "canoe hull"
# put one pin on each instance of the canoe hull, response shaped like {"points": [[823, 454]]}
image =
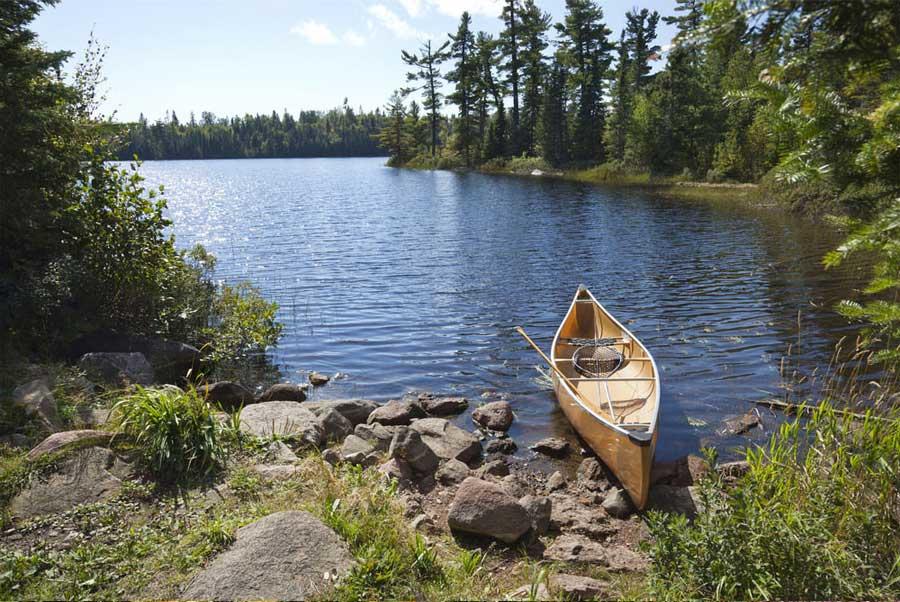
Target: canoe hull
{"points": [[629, 461]]}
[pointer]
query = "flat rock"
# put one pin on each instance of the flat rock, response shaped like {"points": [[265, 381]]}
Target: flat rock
{"points": [[355, 410], [443, 406], [36, 398], [571, 515], [283, 418], [283, 556], [675, 500], [377, 435], [578, 548], [496, 468], [335, 425], [87, 476], [230, 395], [280, 453], [117, 369], [276, 472], [739, 425], [407, 445], [317, 379], [284, 392], [496, 415], [452, 472], [504, 446], [59, 441], [618, 504], [553, 447], [447, 440], [396, 413], [577, 587], [539, 508], [484, 508], [356, 450]]}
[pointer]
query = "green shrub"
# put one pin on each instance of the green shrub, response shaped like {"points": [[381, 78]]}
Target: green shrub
{"points": [[816, 517], [242, 324], [175, 432]]}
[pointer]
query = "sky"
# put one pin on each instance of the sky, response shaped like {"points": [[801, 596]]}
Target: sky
{"points": [[233, 57]]}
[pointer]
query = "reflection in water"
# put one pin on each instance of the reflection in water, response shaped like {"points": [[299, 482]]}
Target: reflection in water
{"points": [[413, 280]]}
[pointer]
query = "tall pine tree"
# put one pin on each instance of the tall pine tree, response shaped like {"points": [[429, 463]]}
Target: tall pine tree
{"points": [[533, 36], [428, 73], [465, 76]]}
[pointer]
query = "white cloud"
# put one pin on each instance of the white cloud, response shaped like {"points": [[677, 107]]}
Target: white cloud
{"points": [[315, 33], [392, 22], [413, 7], [454, 8], [351, 38]]}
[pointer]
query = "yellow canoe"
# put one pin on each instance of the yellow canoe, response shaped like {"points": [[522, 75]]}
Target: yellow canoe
{"points": [[615, 413]]}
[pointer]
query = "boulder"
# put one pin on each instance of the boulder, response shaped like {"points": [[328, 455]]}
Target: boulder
{"points": [[355, 410], [496, 416], [335, 425], [556, 481], [447, 440], [36, 399], [675, 500], [171, 360], [87, 476], [277, 472], [377, 435], [283, 556], [618, 504], [577, 548], [553, 447], [501, 446], [117, 369], [318, 379], [396, 413], [59, 441], [398, 470], [283, 418], [515, 485], [539, 508], [683, 472], [577, 587], [280, 453], [284, 392], [496, 468], [443, 406], [357, 451], [229, 395], [484, 508], [591, 475], [738, 425], [407, 445], [451, 472]]}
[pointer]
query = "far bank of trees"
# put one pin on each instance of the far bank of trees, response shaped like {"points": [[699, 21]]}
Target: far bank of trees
{"points": [[340, 132]]}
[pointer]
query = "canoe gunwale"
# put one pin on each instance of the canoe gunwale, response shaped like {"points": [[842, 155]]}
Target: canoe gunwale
{"points": [[644, 438]]}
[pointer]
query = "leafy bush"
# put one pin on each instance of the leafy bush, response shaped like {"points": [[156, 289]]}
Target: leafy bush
{"points": [[816, 517], [175, 432], [241, 323]]}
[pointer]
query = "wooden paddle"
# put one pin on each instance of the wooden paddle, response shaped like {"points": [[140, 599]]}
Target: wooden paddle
{"points": [[559, 372]]}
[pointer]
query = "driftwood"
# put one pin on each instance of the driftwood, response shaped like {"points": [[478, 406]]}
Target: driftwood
{"points": [[796, 408]]}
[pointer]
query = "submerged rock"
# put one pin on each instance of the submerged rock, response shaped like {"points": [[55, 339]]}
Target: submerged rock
{"points": [[284, 392], [484, 508], [284, 418], [496, 415], [443, 406], [740, 424], [318, 379], [283, 556]]}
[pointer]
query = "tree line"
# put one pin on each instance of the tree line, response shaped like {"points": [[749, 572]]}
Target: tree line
{"points": [[339, 132], [800, 95]]}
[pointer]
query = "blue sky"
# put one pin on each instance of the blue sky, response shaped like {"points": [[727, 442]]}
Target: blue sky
{"points": [[239, 56]]}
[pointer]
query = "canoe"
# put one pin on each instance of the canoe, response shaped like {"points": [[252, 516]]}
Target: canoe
{"points": [[614, 412]]}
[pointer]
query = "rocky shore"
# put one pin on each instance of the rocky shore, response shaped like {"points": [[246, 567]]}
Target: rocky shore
{"points": [[474, 488]]}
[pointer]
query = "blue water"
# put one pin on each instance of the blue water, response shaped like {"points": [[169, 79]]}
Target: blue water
{"points": [[413, 281]]}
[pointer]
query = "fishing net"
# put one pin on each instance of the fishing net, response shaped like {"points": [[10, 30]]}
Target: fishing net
{"points": [[596, 361]]}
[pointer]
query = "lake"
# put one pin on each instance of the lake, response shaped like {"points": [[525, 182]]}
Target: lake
{"points": [[414, 280]]}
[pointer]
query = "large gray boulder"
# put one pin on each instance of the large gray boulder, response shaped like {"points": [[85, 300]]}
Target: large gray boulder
{"points": [[36, 398], [397, 413], [379, 436], [447, 440], [117, 369], [484, 508], [355, 410], [283, 556], [358, 451], [89, 475], [284, 392], [335, 425], [171, 360], [443, 406], [539, 508], [496, 416], [283, 418], [59, 441], [452, 472], [229, 395], [407, 445], [578, 587]]}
